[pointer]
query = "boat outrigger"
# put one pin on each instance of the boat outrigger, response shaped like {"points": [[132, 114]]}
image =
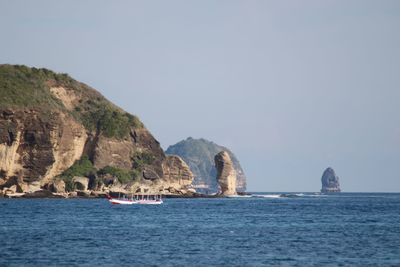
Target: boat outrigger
{"points": [[136, 199]]}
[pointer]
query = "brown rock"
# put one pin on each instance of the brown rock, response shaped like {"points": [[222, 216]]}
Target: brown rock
{"points": [[149, 174], [177, 172], [17, 185], [8, 192], [112, 152], [29, 187], [83, 193], [57, 186], [38, 147], [13, 189], [98, 194], [81, 183], [41, 194], [72, 194], [226, 174]]}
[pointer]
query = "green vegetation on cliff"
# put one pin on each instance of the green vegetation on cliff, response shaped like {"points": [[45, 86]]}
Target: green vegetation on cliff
{"points": [[110, 122], [24, 87], [82, 168], [141, 159], [123, 176]]}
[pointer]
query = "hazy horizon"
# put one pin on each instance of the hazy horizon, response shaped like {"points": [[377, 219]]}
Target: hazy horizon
{"points": [[291, 87]]}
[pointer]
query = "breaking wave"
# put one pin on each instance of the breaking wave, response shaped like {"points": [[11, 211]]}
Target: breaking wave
{"points": [[267, 196], [287, 195]]}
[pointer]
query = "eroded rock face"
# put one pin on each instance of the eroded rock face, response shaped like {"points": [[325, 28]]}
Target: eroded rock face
{"points": [[176, 179], [226, 174], [34, 151], [112, 152], [37, 147], [199, 155], [330, 181], [122, 153], [57, 186], [81, 183], [177, 173]]}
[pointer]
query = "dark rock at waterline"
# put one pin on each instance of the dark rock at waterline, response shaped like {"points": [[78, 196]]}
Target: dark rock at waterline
{"points": [[84, 194], [330, 181], [42, 194]]}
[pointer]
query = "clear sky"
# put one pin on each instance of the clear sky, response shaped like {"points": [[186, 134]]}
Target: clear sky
{"points": [[292, 87]]}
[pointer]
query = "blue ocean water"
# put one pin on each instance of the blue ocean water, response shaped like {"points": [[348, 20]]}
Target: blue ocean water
{"points": [[304, 230]]}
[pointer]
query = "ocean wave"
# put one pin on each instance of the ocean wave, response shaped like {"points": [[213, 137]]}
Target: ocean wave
{"points": [[288, 195], [267, 196], [240, 196]]}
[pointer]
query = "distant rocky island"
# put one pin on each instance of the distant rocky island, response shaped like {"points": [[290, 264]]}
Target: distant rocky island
{"points": [[330, 182], [199, 155], [61, 137]]}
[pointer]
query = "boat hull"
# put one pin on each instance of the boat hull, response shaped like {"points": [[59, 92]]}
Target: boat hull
{"points": [[116, 201], [149, 202], [121, 201]]}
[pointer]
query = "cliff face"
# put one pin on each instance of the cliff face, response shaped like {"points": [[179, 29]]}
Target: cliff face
{"points": [[49, 121], [226, 174], [37, 148], [330, 181], [177, 174], [199, 155]]}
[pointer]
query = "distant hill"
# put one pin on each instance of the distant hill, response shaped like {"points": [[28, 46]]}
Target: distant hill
{"points": [[199, 155]]}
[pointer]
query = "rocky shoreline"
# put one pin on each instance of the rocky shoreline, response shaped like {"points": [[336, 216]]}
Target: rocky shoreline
{"points": [[45, 194]]}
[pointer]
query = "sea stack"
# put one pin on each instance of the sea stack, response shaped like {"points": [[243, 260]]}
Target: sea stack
{"points": [[226, 174], [199, 155], [330, 181]]}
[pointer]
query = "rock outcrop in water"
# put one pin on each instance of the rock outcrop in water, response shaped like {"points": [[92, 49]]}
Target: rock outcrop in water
{"points": [[330, 181], [199, 155], [226, 174], [54, 128]]}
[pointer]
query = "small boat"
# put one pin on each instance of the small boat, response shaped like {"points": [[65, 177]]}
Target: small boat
{"points": [[121, 201], [136, 199]]}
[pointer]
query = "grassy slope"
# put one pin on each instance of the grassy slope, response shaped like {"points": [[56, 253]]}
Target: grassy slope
{"points": [[24, 87]]}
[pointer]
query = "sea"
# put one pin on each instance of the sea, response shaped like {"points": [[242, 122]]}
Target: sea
{"points": [[264, 229]]}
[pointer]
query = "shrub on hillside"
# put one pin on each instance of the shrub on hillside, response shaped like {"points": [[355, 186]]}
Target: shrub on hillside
{"points": [[123, 176]]}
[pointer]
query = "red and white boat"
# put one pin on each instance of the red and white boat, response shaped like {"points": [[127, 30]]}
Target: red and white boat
{"points": [[137, 199]]}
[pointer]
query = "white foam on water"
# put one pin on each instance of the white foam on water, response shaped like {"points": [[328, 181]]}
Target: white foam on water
{"points": [[287, 195], [267, 196], [240, 196], [317, 195]]}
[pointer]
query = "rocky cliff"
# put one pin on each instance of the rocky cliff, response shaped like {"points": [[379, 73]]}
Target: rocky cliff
{"points": [[226, 174], [330, 181], [54, 128], [199, 155]]}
